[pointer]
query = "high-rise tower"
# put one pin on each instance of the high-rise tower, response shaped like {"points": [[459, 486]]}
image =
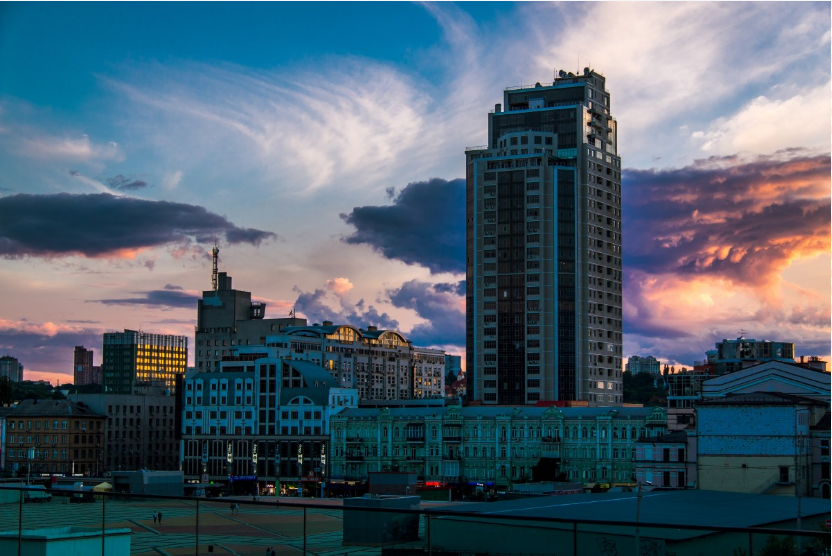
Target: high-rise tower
{"points": [[543, 301]]}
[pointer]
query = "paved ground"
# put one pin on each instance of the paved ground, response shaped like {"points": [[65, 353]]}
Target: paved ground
{"points": [[250, 532]]}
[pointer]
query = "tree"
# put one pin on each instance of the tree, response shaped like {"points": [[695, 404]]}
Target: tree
{"points": [[778, 546], [641, 388], [6, 394]]}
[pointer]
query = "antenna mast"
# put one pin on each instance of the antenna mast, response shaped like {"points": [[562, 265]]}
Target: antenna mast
{"points": [[215, 255]]}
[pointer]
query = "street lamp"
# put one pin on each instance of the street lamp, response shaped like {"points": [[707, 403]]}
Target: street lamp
{"points": [[638, 514]]}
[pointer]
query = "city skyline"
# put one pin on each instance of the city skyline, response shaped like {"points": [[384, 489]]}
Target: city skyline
{"points": [[325, 154]]}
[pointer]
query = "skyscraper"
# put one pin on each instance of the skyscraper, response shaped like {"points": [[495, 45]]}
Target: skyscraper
{"points": [[543, 301]]}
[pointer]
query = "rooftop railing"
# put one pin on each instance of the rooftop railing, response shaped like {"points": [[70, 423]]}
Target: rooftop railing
{"points": [[382, 526]]}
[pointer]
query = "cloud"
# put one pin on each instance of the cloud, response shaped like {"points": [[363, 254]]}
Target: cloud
{"points": [[424, 226], [122, 183], [686, 62], [68, 148], [45, 347], [171, 297], [708, 248], [767, 125], [441, 305], [317, 307], [344, 119], [743, 221], [102, 225]]}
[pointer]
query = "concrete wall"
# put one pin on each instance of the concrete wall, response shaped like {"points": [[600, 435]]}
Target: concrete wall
{"points": [[744, 473], [747, 430]]}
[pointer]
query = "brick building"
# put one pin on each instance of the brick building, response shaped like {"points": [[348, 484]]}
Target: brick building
{"points": [[55, 436]]}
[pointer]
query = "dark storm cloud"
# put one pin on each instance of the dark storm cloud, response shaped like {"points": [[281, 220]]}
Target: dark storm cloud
{"points": [[424, 226], [440, 305], [314, 307], [123, 183], [103, 224], [171, 297], [743, 221]]}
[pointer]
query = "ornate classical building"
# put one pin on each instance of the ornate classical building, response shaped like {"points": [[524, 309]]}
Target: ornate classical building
{"points": [[491, 445]]}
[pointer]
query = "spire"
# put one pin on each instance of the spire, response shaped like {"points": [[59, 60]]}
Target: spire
{"points": [[215, 255]]}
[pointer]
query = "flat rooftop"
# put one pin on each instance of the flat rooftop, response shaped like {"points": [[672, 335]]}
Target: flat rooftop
{"points": [[704, 508]]}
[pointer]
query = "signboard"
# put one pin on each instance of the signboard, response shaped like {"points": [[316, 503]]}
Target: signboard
{"points": [[254, 453], [323, 455], [300, 454], [204, 453], [230, 452]]}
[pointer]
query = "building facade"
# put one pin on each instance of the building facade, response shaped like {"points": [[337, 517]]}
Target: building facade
{"points": [[667, 461], [496, 446], [543, 297], [133, 358], [228, 318], [55, 436], [260, 424], [757, 442], [11, 368], [84, 371], [649, 364], [735, 355], [379, 364], [141, 428]]}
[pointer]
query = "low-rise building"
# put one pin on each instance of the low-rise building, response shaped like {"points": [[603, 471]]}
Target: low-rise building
{"points": [[141, 428], [55, 436], [667, 461], [495, 446], [757, 442]]}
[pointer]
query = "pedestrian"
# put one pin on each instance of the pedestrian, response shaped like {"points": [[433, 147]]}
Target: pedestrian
{"points": [[154, 518], [236, 508], [231, 507], [160, 518]]}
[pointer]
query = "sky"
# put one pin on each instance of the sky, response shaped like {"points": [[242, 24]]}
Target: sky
{"points": [[321, 145]]}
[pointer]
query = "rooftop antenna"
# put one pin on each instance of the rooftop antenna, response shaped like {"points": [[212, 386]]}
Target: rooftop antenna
{"points": [[215, 252], [742, 332]]}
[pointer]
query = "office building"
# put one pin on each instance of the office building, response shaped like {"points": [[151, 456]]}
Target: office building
{"points": [[11, 368], [133, 358], [227, 318], [262, 424], [543, 298]]}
